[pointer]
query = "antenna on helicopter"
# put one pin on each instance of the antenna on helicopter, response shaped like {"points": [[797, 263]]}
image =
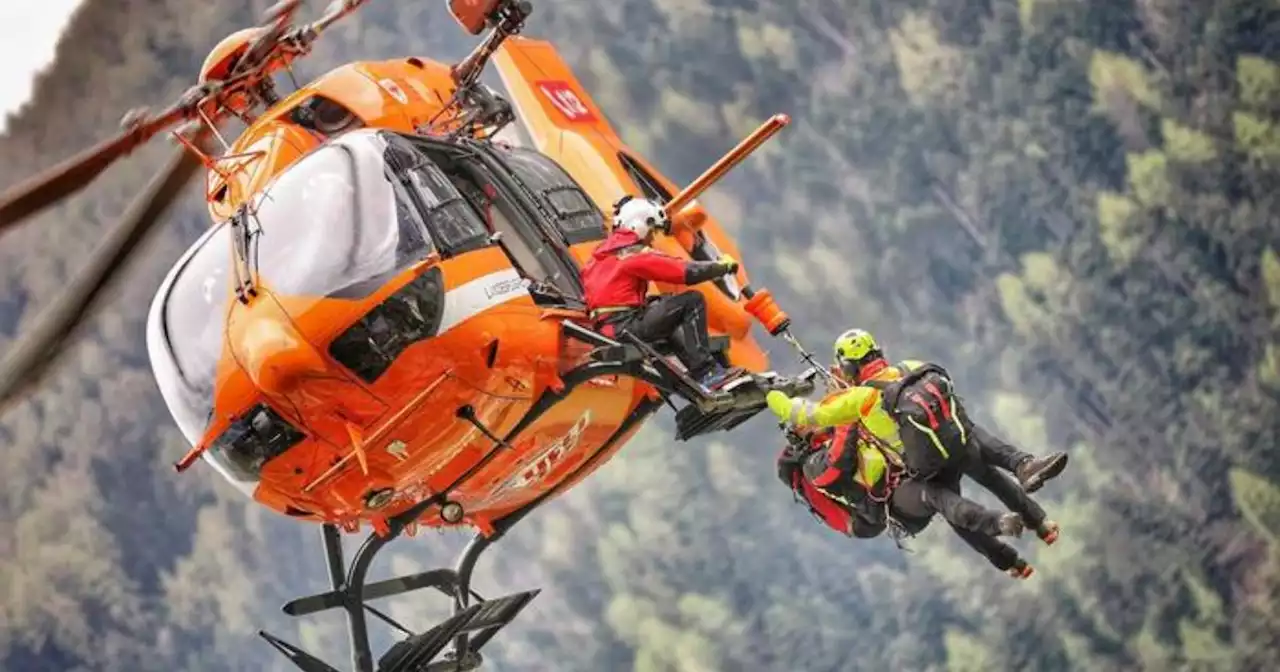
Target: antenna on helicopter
{"points": [[234, 80]]}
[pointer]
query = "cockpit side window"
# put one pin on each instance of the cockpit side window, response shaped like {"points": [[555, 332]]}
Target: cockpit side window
{"points": [[195, 308], [185, 330], [453, 224], [563, 200]]}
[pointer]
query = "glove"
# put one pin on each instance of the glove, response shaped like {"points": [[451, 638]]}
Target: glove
{"points": [[779, 403], [728, 263]]}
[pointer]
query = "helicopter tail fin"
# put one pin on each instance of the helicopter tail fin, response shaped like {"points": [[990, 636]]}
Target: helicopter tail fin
{"points": [[548, 98]]}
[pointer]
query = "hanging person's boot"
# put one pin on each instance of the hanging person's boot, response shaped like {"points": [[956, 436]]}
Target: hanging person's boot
{"points": [[1020, 570], [1048, 532], [1035, 471]]}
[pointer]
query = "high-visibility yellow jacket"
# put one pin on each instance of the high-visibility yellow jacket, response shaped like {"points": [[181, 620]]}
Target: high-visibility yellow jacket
{"points": [[857, 404]]}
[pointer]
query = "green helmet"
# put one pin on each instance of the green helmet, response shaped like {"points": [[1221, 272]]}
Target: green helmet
{"points": [[854, 348]]}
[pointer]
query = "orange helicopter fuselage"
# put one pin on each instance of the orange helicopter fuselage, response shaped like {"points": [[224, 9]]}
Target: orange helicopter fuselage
{"points": [[369, 447]]}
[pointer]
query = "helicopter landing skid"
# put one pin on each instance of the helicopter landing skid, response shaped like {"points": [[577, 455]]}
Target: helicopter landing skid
{"points": [[469, 628]]}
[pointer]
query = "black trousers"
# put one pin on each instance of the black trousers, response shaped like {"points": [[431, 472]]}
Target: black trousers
{"points": [[681, 319], [976, 453], [914, 504], [916, 500], [992, 453]]}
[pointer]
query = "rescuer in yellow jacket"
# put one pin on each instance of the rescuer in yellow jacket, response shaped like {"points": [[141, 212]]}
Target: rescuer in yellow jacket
{"points": [[912, 406]]}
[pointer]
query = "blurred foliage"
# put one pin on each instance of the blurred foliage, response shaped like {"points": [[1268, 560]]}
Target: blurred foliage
{"points": [[1069, 203]]}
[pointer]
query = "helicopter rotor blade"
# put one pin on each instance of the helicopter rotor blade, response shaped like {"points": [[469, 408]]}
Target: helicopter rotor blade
{"points": [[54, 184], [71, 175], [29, 357]]}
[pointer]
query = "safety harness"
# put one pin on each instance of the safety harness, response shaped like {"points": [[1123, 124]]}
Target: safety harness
{"points": [[792, 459]]}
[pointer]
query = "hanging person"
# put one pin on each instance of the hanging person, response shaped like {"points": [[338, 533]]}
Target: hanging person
{"points": [[913, 408]]}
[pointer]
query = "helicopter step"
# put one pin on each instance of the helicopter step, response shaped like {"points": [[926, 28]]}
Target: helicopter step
{"points": [[748, 392], [415, 653], [653, 366], [705, 400], [734, 402]]}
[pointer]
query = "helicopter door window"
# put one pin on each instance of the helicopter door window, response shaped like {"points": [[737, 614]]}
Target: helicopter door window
{"points": [[535, 250], [531, 256], [528, 261], [574, 214], [450, 219]]}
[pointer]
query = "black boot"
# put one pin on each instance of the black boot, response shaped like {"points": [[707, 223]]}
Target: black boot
{"points": [[1033, 472], [1020, 570], [1048, 532]]}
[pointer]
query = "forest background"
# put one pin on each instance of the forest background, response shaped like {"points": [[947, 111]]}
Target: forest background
{"points": [[1072, 204]]}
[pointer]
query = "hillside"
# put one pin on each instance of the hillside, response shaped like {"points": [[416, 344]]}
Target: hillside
{"points": [[1070, 203]]}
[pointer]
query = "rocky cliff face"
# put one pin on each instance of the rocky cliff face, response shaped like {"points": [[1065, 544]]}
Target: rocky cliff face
{"points": [[1071, 205]]}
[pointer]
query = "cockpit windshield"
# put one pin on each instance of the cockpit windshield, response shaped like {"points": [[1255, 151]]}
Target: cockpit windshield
{"points": [[336, 224], [185, 328]]}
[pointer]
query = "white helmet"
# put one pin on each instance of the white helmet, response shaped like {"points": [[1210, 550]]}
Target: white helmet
{"points": [[640, 216]]}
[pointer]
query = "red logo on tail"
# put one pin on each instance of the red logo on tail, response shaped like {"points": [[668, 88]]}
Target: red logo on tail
{"points": [[565, 99]]}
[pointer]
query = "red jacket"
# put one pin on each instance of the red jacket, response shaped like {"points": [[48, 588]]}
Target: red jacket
{"points": [[612, 278], [865, 516], [837, 516]]}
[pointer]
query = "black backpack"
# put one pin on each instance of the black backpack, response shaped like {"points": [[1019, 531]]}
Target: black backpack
{"points": [[931, 421]]}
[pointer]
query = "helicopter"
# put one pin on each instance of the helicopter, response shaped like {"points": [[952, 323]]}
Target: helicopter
{"points": [[384, 325]]}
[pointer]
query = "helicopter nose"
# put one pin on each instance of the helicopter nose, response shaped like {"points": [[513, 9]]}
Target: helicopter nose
{"points": [[275, 356]]}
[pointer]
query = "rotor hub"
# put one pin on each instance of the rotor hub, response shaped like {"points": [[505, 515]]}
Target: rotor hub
{"points": [[222, 58]]}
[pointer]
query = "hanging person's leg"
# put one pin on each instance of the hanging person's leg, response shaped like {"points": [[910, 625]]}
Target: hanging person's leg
{"points": [[991, 452], [941, 495], [1012, 496], [911, 507], [1001, 555], [1032, 472]]}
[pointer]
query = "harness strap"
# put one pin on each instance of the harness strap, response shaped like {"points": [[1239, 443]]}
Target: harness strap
{"points": [[597, 313]]}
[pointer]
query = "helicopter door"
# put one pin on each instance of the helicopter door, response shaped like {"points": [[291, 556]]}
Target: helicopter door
{"points": [[541, 255], [538, 255], [529, 259], [536, 248]]}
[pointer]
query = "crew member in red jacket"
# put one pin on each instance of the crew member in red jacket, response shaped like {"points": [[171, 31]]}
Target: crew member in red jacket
{"points": [[617, 277]]}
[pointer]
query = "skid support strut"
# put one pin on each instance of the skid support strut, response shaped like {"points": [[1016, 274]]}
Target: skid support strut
{"points": [[469, 628]]}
